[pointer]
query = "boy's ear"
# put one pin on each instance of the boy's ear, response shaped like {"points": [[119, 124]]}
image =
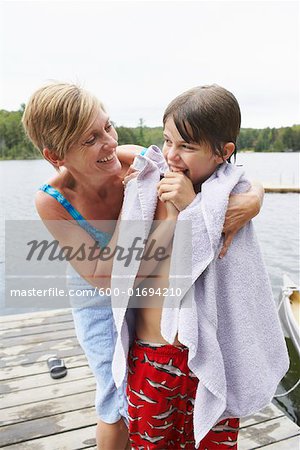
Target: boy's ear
{"points": [[53, 158], [228, 150]]}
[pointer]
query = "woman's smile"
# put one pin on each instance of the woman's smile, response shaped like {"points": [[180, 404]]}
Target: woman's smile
{"points": [[106, 159]]}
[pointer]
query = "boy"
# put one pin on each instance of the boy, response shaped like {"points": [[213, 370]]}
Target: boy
{"points": [[73, 132], [218, 366]]}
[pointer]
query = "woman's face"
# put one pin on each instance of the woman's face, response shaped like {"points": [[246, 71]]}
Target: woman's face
{"points": [[96, 150], [196, 161]]}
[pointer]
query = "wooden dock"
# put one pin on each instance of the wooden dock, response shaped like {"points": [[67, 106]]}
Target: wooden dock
{"points": [[39, 413], [281, 189]]}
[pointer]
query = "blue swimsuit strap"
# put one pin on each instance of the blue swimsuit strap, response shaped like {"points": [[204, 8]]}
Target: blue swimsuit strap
{"points": [[101, 237]]}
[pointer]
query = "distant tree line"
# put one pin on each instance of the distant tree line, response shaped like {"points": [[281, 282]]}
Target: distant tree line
{"points": [[15, 145]]}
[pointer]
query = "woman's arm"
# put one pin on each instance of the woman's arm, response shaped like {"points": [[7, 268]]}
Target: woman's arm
{"points": [[96, 270], [77, 241], [127, 153], [179, 189], [241, 209]]}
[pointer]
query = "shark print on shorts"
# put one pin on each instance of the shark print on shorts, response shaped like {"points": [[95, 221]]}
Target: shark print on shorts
{"points": [[161, 392]]}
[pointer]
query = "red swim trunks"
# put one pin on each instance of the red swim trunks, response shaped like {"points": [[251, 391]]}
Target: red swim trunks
{"points": [[161, 393]]}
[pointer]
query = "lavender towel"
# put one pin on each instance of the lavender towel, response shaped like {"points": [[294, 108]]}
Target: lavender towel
{"points": [[227, 317]]}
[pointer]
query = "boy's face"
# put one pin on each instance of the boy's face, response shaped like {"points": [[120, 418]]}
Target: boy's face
{"points": [[196, 161]]}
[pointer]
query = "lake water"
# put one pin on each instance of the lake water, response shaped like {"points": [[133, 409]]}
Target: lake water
{"points": [[277, 225]]}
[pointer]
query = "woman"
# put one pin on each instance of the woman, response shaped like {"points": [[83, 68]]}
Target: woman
{"points": [[73, 132]]}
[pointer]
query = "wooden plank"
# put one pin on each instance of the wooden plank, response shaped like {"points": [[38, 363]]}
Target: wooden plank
{"points": [[43, 379], [36, 329], [31, 358], [31, 339], [38, 314], [270, 412], [20, 371], [258, 435], [84, 438], [282, 189], [71, 440], [75, 402], [48, 416], [35, 321], [47, 426], [287, 444], [54, 345], [38, 394]]}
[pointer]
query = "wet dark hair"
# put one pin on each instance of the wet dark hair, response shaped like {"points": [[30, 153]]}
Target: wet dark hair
{"points": [[206, 114]]}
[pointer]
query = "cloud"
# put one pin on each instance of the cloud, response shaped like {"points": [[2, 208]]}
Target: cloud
{"points": [[136, 56]]}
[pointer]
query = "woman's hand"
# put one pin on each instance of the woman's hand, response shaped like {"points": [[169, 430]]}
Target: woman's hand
{"points": [[129, 175], [177, 188], [241, 209]]}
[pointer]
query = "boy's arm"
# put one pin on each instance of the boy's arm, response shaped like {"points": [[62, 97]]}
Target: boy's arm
{"points": [[160, 238]]}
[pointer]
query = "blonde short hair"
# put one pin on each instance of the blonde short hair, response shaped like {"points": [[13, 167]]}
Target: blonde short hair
{"points": [[57, 114]]}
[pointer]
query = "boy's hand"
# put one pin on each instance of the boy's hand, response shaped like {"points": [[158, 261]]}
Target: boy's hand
{"points": [[177, 188]]}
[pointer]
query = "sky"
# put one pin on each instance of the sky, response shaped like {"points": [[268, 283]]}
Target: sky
{"points": [[136, 56]]}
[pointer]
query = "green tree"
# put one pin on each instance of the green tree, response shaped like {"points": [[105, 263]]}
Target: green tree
{"points": [[126, 136], [15, 145]]}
